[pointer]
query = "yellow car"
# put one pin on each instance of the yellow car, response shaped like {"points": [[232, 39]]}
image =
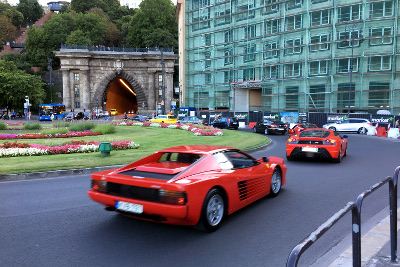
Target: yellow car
{"points": [[113, 112], [165, 119]]}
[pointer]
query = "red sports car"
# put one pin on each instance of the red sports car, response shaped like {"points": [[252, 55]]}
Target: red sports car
{"points": [[298, 128], [188, 185], [317, 143]]}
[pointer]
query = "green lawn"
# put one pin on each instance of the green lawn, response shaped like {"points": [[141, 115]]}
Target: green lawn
{"points": [[151, 139]]}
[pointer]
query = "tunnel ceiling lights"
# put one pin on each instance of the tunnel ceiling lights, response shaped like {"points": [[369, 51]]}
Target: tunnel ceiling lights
{"points": [[122, 81]]}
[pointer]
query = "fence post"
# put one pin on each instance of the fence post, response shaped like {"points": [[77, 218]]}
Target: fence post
{"points": [[393, 214], [356, 233]]}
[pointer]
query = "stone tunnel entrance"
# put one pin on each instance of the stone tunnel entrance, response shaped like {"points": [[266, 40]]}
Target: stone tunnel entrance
{"points": [[120, 95]]}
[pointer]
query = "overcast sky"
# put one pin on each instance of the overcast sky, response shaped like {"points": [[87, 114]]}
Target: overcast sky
{"points": [[41, 2]]}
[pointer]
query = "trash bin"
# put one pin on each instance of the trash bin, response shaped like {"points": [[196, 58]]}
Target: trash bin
{"points": [[105, 148]]}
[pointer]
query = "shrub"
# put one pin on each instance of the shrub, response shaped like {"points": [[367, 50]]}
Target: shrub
{"points": [[83, 126], [32, 126], [61, 124], [53, 131], [3, 126], [104, 129]]}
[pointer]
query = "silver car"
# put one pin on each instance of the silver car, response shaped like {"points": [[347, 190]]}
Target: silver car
{"points": [[349, 125]]}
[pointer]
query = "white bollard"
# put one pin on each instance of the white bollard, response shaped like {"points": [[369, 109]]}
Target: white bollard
{"points": [[371, 130]]}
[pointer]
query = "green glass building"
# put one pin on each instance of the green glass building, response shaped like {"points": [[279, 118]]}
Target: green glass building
{"points": [[293, 55]]}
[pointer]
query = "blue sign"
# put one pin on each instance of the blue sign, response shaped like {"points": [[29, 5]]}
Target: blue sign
{"points": [[173, 107]]}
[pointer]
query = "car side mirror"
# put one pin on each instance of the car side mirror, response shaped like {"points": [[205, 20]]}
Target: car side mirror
{"points": [[265, 159]]}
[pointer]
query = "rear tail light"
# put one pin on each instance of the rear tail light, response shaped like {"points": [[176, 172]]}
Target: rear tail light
{"points": [[330, 142], [229, 120], [100, 186], [273, 125], [172, 197]]}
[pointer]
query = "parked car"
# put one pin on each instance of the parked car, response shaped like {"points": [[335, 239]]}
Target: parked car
{"points": [[113, 112], [317, 143], [77, 116], [138, 118], [349, 125], [191, 119], [270, 126], [165, 119], [298, 128], [226, 123], [194, 185]]}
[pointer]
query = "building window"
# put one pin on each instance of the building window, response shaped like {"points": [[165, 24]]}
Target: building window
{"points": [[292, 97], [381, 9], [344, 65], [76, 90], [349, 13], [294, 22], [381, 36], [318, 67], [345, 39], [266, 98], [222, 14], [228, 36], [319, 42], [293, 4], [77, 104], [207, 39], [227, 76], [322, 17], [293, 46], [249, 53], [244, 9], [207, 62], [380, 63], [270, 6], [250, 31], [292, 70], [317, 96], [228, 57], [76, 76], [208, 78], [271, 26], [379, 94], [271, 72], [271, 50], [249, 74], [343, 95]]}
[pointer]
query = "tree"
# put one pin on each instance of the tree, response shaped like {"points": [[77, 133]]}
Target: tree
{"points": [[152, 15], [78, 37], [16, 17], [16, 84], [37, 45], [31, 10], [93, 27], [21, 60], [7, 29], [82, 6]]}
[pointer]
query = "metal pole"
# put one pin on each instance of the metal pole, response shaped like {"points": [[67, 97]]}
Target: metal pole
{"points": [[351, 68]]}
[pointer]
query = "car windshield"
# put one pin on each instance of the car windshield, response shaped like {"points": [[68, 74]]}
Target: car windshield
{"points": [[308, 126], [315, 133]]}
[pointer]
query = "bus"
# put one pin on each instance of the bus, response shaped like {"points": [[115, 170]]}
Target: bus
{"points": [[46, 110]]}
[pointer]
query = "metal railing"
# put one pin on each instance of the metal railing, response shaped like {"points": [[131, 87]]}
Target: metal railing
{"points": [[118, 49], [355, 208]]}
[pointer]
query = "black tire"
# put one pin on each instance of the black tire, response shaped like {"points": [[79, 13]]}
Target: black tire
{"points": [[339, 158], [266, 131], [332, 128], [362, 130], [212, 212], [276, 183], [289, 158], [345, 153]]}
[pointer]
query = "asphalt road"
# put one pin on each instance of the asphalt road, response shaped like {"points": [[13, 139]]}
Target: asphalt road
{"points": [[52, 221]]}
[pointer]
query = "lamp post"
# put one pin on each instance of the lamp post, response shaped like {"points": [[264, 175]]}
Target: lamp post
{"points": [[50, 68], [351, 40], [162, 84]]}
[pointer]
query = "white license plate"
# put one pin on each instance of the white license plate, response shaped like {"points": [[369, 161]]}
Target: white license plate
{"points": [[129, 207], [281, 129], [309, 149]]}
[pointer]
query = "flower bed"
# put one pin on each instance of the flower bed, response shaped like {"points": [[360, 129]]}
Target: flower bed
{"points": [[40, 136], [197, 130], [17, 150]]}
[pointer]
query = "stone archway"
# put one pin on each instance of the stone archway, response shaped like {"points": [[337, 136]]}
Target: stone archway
{"points": [[120, 91]]}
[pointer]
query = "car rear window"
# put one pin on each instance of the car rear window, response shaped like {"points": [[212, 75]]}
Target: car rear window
{"points": [[315, 133]]}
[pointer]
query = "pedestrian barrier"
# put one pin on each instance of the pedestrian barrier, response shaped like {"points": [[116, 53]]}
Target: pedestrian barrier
{"points": [[393, 133], [381, 132], [371, 130], [252, 124], [355, 208]]}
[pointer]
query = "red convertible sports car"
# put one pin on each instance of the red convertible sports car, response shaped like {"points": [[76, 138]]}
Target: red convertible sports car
{"points": [[317, 143], [188, 185], [298, 128]]}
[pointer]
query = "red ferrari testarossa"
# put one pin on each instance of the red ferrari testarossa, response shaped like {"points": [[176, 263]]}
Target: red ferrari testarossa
{"points": [[188, 185]]}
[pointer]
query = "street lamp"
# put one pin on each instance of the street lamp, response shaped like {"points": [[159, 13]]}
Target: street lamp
{"points": [[352, 37], [162, 84], [50, 68]]}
